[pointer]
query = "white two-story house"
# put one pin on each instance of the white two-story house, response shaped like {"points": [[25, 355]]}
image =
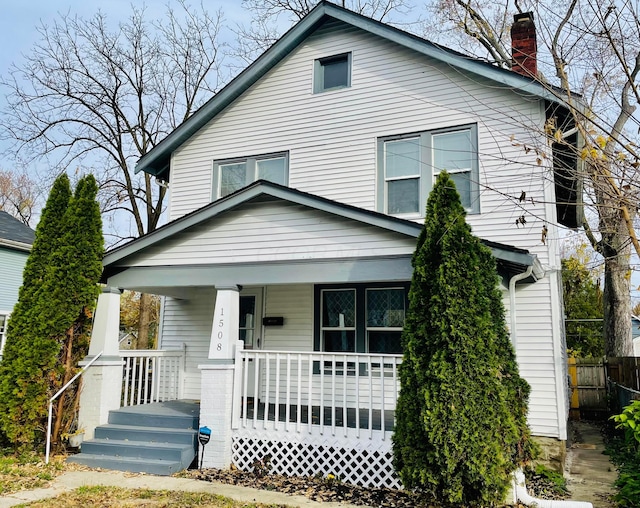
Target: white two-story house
{"points": [[296, 197]]}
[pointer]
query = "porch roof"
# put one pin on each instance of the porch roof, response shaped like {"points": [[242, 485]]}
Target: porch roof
{"points": [[511, 260]]}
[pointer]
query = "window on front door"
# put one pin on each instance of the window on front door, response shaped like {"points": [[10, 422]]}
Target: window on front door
{"points": [[360, 318]]}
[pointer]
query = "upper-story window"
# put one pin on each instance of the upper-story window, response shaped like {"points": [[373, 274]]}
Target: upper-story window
{"points": [[332, 72], [230, 175], [408, 165]]}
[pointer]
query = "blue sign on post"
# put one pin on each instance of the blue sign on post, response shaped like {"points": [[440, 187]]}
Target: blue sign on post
{"points": [[204, 435]]}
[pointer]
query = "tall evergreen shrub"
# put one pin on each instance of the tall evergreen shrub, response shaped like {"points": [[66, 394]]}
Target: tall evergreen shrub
{"points": [[59, 284], [29, 357], [461, 415]]}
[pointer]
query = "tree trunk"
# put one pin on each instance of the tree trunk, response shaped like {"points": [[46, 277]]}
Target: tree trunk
{"points": [[617, 306], [68, 366], [143, 321]]}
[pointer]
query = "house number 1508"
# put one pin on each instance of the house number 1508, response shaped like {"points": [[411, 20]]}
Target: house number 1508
{"points": [[220, 333]]}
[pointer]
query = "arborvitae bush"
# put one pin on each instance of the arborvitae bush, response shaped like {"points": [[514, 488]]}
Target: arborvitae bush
{"points": [[59, 284], [461, 415]]}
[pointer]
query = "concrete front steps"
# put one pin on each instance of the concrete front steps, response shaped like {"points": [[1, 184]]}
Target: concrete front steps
{"points": [[159, 438]]}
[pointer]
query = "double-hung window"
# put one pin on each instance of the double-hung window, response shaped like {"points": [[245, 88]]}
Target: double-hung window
{"points": [[230, 175], [408, 165]]}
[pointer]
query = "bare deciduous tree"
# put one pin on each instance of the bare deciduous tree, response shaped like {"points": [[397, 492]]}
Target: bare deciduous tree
{"points": [[18, 195], [267, 23], [592, 50], [100, 95]]}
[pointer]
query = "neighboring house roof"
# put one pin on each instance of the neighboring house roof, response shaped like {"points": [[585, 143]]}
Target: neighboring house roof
{"points": [[511, 260], [14, 234], [156, 161]]}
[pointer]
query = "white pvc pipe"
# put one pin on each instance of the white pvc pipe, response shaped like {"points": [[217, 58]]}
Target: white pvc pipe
{"points": [[520, 494]]}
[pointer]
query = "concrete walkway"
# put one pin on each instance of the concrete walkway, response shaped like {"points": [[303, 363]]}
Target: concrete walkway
{"points": [[72, 480], [589, 472]]}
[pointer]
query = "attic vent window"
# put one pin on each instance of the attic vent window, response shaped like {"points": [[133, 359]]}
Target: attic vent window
{"points": [[332, 73]]}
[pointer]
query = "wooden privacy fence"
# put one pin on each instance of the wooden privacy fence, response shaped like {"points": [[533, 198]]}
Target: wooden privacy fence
{"points": [[591, 397]]}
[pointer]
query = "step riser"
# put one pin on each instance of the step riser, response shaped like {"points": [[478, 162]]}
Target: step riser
{"points": [[153, 435], [137, 450], [144, 442], [153, 421], [113, 463]]}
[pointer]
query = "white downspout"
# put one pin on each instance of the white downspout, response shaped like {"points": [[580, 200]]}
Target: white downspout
{"points": [[520, 494], [512, 301]]}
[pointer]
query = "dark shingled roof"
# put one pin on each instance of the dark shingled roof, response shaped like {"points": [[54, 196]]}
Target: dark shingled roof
{"points": [[14, 230]]}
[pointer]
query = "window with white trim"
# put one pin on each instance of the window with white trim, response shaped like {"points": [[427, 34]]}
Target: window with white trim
{"points": [[231, 175], [332, 73], [4, 320], [363, 318], [408, 165]]}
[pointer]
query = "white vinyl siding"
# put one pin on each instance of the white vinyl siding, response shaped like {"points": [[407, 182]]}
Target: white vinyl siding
{"points": [[189, 322], [11, 267], [332, 141], [295, 304], [274, 231]]}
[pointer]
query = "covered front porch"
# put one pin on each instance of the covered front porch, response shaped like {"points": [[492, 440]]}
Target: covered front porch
{"points": [[282, 314]]}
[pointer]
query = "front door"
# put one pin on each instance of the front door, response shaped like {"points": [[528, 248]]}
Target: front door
{"points": [[251, 328]]}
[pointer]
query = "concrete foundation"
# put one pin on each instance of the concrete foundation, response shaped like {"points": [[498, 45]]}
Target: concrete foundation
{"points": [[553, 452]]}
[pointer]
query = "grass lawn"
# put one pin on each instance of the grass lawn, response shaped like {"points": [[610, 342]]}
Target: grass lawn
{"points": [[27, 472], [121, 498]]}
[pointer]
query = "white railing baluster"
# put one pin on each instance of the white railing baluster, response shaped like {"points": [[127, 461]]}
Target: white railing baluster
{"points": [[267, 394], [344, 395], [357, 384], [331, 387], [276, 411], [299, 405], [370, 371], [287, 411], [382, 396], [151, 375], [310, 394], [321, 412], [256, 395]]}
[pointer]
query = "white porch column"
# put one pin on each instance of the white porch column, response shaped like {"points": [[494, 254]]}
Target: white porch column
{"points": [[216, 399], [102, 382]]}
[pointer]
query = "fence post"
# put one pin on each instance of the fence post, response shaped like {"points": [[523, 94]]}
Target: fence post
{"points": [[574, 412]]}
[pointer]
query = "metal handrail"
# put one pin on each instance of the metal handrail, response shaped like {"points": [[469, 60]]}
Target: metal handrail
{"points": [[46, 460]]}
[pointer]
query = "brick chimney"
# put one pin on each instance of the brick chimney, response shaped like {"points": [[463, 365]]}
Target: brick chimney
{"points": [[524, 47]]}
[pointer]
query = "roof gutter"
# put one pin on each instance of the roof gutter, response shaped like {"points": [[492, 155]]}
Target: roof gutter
{"points": [[12, 244]]}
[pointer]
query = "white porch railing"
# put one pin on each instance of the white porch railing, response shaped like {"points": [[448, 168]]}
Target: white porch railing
{"points": [[340, 393], [152, 375]]}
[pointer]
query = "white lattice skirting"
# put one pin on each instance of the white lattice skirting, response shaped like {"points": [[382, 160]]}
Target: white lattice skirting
{"points": [[365, 461]]}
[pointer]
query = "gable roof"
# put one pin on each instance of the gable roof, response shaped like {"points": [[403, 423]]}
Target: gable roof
{"points": [[511, 260], [156, 161], [14, 233]]}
